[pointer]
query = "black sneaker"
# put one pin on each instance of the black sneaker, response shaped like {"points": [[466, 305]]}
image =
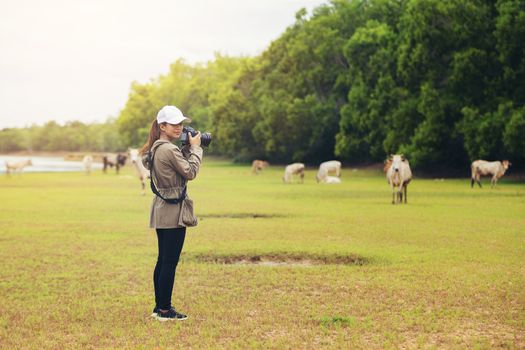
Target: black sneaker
{"points": [[155, 312], [171, 315]]}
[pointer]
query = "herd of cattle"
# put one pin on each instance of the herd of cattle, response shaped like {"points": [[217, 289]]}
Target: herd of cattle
{"points": [[396, 167], [329, 172], [397, 170], [118, 161]]}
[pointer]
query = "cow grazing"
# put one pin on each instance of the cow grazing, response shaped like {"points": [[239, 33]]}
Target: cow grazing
{"points": [[17, 167], [327, 168], [293, 169], [481, 168], [88, 162], [142, 173], [398, 176], [258, 165], [113, 160]]}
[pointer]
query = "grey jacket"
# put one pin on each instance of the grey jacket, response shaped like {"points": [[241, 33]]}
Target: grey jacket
{"points": [[173, 168]]}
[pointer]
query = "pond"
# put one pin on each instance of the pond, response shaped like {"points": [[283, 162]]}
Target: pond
{"points": [[46, 164]]}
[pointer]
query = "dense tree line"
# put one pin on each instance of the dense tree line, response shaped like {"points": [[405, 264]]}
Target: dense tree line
{"points": [[440, 81], [72, 136]]}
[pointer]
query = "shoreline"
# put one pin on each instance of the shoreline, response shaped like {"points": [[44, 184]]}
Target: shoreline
{"points": [[66, 155]]}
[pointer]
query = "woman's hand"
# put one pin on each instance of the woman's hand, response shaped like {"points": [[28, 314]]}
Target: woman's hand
{"points": [[195, 140]]}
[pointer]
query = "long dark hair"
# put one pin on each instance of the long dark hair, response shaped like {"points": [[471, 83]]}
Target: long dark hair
{"points": [[154, 135]]}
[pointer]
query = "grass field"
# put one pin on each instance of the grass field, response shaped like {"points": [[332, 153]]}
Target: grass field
{"points": [[340, 267]]}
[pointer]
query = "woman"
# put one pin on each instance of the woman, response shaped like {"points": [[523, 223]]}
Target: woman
{"points": [[172, 211]]}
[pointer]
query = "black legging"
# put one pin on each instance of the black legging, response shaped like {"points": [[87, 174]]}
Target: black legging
{"points": [[171, 241]]}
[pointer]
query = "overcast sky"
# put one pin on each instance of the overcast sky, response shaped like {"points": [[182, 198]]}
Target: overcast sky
{"points": [[75, 59]]}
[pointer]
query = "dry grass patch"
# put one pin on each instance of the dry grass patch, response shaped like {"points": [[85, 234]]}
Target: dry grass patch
{"points": [[298, 259]]}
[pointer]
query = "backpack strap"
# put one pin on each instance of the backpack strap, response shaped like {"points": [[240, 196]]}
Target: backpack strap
{"points": [[154, 189]]}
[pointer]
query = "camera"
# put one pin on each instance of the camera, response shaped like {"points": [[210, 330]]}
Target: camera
{"points": [[205, 136]]}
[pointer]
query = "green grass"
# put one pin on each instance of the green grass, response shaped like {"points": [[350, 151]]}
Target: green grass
{"points": [[445, 271]]}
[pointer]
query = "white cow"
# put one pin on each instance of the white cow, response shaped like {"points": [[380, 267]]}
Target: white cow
{"points": [[332, 180], [398, 176], [293, 169], [17, 167], [142, 173], [484, 168], [87, 161], [327, 168]]}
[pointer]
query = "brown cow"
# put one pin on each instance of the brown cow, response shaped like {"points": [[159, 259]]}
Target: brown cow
{"points": [[258, 165], [113, 160], [387, 165]]}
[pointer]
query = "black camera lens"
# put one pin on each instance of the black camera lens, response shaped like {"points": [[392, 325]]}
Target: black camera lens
{"points": [[205, 136], [205, 139]]}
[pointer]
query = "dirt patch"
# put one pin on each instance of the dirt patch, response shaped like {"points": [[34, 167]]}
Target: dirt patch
{"points": [[281, 260], [241, 216]]}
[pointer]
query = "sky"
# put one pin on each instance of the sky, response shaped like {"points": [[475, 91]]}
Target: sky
{"points": [[68, 60]]}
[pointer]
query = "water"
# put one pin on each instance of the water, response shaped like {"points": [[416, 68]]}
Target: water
{"points": [[46, 164]]}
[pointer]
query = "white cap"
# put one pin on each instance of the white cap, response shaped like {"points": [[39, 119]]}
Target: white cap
{"points": [[171, 115]]}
